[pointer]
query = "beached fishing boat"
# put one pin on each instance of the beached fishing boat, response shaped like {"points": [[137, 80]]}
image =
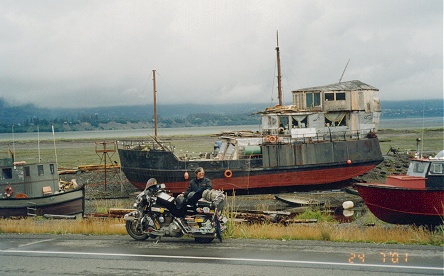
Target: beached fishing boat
{"points": [[326, 136], [414, 198], [34, 190]]}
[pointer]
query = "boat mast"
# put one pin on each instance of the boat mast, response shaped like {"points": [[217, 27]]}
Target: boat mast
{"points": [[279, 69], [155, 105]]}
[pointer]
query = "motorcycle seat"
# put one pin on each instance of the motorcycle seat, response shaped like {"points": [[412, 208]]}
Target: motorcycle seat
{"points": [[201, 203]]}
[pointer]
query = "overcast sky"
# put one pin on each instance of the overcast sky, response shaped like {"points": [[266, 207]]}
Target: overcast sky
{"points": [[102, 53]]}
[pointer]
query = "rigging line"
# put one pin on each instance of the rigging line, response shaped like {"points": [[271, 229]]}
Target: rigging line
{"points": [[288, 69], [272, 87], [178, 95], [146, 82], [422, 139]]}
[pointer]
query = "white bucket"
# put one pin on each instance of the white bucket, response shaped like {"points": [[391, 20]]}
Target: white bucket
{"points": [[347, 205]]}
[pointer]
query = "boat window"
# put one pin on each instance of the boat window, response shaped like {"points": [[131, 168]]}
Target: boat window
{"points": [[335, 119], [437, 168], [332, 96], [329, 96], [7, 173], [340, 96], [40, 169], [417, 168], [283, 124], [51, 168], [27, 171], [312, 99]]}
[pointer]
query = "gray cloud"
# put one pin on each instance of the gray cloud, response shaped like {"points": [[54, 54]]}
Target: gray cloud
{"points": [[97, 53]]}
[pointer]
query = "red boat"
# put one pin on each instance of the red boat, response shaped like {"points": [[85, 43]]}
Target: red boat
{"points": [[414, 198]]}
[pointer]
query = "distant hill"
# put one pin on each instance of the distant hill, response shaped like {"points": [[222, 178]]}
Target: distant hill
{"points": [[18, 114], [22, 117]]}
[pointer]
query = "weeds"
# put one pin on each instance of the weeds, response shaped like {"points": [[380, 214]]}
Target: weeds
{"points": [[327, 231]]}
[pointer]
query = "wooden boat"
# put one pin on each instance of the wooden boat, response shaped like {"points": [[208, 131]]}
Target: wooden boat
{"points": [[34, 190], [414, 198], [326, 136]]}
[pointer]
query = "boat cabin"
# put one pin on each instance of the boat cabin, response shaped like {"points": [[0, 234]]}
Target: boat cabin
{"points": [[432, 169], [351, 108], [28, 180]]}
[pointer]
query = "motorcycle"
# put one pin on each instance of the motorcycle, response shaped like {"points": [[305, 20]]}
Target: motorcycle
{"points": [[159, 214]]}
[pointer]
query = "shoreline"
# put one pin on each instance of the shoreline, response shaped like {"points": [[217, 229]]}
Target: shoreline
{"points": [[395, 124]]}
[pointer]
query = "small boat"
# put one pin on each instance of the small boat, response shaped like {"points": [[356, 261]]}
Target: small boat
{"points": [[414, 198], [326, 136], [34, 190]]}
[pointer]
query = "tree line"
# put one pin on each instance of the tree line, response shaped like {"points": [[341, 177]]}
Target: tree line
{"points": [[86, 122]]}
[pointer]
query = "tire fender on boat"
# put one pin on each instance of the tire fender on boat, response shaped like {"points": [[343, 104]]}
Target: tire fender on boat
{"points": [[270, 139], [228, 173], [8, 191]]}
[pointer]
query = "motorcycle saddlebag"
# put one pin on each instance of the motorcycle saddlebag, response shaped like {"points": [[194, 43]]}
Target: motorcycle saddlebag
{"points": [[164, 199]]}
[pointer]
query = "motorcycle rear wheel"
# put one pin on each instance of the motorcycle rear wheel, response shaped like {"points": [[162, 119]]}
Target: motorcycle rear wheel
{"points": [[134, 232]]}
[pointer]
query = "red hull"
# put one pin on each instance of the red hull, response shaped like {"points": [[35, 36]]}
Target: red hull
{"points": [[403, 205], [273, 180]]}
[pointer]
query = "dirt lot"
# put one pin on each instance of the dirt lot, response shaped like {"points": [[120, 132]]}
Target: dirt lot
{"points": [[74, 153]]}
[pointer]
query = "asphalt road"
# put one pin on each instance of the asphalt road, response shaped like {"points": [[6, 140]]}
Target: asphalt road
{"points": [[120, 255]]}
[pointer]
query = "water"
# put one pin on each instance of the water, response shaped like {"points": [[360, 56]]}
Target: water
{"points": [[403, 123], [409, 123], [124, 133]]}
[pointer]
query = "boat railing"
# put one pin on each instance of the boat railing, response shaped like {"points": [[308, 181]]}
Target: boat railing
{"points": [[144, 145], [323, 136]]}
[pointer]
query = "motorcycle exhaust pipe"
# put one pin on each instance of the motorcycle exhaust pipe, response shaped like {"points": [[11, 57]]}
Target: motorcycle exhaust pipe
{"points": [[130, 216]]}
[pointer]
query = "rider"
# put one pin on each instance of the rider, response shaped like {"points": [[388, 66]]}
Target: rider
{"points": [[196, 187]]}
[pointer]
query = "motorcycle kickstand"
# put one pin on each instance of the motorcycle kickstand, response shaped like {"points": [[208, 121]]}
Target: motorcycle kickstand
{"points": [[156, 240]]}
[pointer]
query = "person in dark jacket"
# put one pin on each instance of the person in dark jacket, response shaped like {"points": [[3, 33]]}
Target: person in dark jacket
{"points": [[196, 187]]}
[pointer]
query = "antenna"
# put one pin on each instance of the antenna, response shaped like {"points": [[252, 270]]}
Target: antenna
{"points": [[38, 142], [344, 70], [155, 104], [13, 144], [55, 149], [278, 58]]}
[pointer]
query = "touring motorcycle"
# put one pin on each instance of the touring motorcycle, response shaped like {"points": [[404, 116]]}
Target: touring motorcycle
{"points": [[159, 214]]}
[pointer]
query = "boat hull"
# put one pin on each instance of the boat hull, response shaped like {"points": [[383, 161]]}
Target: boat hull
{"points": [[300, 165], [403, 205], [69, 203]]}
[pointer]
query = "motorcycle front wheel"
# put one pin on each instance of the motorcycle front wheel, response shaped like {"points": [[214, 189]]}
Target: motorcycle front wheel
{"points": [[134, 231]]}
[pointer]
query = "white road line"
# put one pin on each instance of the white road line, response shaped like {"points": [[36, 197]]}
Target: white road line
{"points": [[219, 259], [31, 243]]}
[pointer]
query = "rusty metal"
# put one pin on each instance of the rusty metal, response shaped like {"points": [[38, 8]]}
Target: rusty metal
{"points": [[105, 151]]}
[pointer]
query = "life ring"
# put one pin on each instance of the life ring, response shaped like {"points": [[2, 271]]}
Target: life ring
{"points": [[228, 173], [272, 139], [8, 191], [267, 138]]}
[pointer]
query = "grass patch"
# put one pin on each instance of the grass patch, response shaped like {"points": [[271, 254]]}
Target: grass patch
{"points": [[91, 226], [326, 231]]}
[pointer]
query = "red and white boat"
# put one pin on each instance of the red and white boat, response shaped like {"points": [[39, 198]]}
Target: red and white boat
{"points": [[414, 198], [327, 135]]}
